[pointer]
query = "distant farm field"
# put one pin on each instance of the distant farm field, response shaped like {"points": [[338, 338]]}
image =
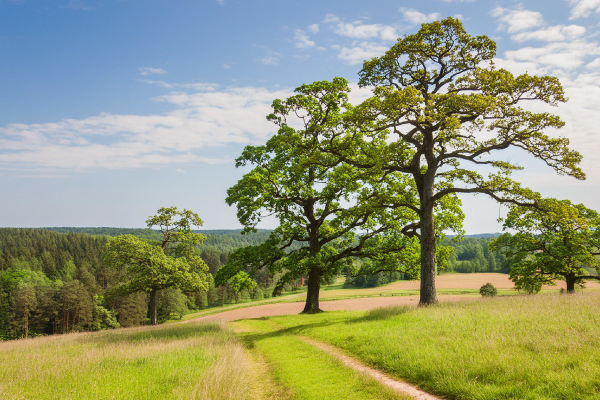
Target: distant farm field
{"points": [[451, 287]]}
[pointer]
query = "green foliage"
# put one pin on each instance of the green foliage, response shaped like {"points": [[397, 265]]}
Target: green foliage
{"points": [[439, 109], [172, 304], [102, 318], [321, 202], [375, 280], [488, 290], [176, 229], [472, 254], [556, 240], [143, 267]]}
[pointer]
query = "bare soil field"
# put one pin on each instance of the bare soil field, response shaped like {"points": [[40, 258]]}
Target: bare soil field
{"points": [[269, 310], [474, 281], [446, 281]]}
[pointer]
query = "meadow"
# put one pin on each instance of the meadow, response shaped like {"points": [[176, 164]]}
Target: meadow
{"points": [[516, 347], [509, 347], [184, 361]]}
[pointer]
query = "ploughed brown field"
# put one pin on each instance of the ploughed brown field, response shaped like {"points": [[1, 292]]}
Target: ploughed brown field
{"points": [[474, 281], [447, 281]]}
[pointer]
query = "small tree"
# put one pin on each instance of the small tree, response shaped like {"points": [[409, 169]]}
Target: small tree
{"points": [[151, 268], [488, 290], [557, 241]]}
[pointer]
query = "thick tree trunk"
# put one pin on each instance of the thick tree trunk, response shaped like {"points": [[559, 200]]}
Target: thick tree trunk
{"points": [[570, 284], [312, 294], [428, 264], [152, 307]]}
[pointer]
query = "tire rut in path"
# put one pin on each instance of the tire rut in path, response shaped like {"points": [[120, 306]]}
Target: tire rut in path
{"points": [[351, 362]]}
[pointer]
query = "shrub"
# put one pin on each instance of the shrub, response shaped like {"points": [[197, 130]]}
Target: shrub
{"points": [[488, 290]]}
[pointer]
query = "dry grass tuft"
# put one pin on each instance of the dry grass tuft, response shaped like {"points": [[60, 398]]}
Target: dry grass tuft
{"points": [[226, 378]]}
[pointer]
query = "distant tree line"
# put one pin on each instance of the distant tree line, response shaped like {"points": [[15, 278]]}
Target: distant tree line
{"points": [[53, 281], [472, 254]]}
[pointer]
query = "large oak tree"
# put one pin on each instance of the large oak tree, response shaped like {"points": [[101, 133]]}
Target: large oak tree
{"points": [[328, 211], [440, 109]]}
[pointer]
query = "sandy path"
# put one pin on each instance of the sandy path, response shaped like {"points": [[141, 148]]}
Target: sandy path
{"points": [[369, 303], [357, 365]]}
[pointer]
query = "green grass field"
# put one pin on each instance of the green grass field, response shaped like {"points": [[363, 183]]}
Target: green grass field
{"points": [[185, 361], [512, 347], [517, 347]]}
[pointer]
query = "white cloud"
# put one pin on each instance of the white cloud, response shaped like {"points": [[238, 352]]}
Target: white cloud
{"points": [[194, 86], [314, 28], [517, 20], [268, 60], [330, 18], [359, 30], [417, 17], [200, 122], [149, 70], [583, 8], [594, 64], [271, 58], [459, 1], [227, 65], [221, 2], [563, 55], [555, 33], [302, 39], [360, 52]]}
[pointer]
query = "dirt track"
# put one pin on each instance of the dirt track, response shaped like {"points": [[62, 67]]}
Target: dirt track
{"points": [[446, 281], [269, 310]]}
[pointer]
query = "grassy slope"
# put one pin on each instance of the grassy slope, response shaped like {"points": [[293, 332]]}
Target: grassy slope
{"points": [[176, 362], [517, 347]]}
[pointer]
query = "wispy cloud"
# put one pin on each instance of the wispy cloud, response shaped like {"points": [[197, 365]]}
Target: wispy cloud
{"points": [[517, 20], [361, 51], [359, 30], [270, 58], [417, 17], [150, 71], [194, 86], [555, 33], [200, 122], [583, 8], [302, 40], [314, 28]]}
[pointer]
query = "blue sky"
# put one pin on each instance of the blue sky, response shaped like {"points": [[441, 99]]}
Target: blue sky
{"points": [[111, 109]]}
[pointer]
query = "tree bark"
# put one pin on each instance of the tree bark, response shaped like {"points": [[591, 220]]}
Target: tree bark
{"points": [[152, 307], [312, 294], [425, 185], [428, 293], [570, 284]]}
